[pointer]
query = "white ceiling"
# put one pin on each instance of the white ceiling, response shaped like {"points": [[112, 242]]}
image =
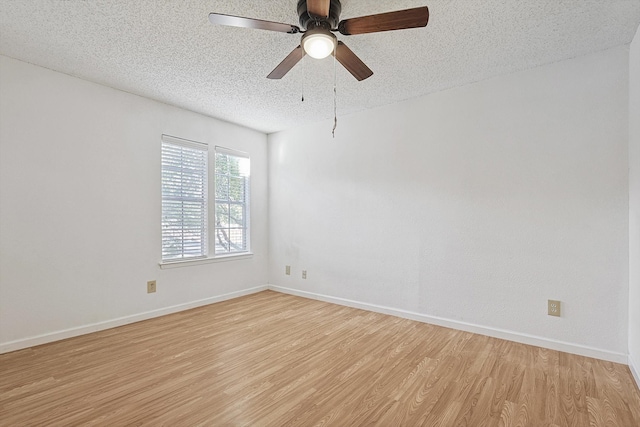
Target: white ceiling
{"points": [[167, 50]]}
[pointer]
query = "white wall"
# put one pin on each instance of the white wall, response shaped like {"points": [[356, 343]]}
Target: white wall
{"points": [[80, 207], [470, 207], [634, 206]]}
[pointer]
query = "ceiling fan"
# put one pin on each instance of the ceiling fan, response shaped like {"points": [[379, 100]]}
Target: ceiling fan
{"points": [[318, 20]]}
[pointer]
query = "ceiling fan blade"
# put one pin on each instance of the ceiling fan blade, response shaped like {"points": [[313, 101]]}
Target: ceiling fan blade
{"points": [[398, 20], [318, 8], [352, 63], [287, 63], [239, 21]]}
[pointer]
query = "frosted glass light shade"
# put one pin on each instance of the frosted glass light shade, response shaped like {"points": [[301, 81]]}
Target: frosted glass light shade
{"points": [[319, 45]]}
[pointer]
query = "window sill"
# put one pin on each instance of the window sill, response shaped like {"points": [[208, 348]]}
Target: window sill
{"points": [[185, 263]]}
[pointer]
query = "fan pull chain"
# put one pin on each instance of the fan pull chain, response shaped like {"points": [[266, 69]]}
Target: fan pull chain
{"points": [[335, 98], [303, 68]]}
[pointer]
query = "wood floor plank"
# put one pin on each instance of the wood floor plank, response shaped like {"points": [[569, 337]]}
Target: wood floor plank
{"points": [[271, 359]]}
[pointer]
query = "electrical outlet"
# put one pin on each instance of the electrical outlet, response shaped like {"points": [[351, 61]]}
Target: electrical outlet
{"points": [[304, 274], [151, 286], [554, 308], [287, 270]]}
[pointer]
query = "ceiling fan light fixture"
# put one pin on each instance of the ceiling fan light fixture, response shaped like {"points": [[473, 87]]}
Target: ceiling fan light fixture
{"points": [[319, 43]]}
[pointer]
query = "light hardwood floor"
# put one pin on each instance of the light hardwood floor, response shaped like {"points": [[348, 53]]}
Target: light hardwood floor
{"points": [[271, 359]]}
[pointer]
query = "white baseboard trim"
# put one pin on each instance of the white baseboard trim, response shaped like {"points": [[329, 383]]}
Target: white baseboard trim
{"points": [[468, 327], [108, 324], [434, 320], [634, 371]]}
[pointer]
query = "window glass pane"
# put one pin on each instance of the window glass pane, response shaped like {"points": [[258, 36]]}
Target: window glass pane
{"points": [[236, 239], [222, 240], [236, 216], [222, 215], [236, 189], [232, 207], [222, 187], [222, 164]]}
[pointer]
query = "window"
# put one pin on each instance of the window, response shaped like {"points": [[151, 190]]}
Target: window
{"points": [[232, 171], [194, 225], [184, 199]]}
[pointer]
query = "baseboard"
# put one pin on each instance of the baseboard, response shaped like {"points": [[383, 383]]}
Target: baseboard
{"points": [[434, 320], [100, 326], [634, 371], [468, 327]]}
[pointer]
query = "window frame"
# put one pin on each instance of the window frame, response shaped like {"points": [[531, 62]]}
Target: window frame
{"points": [[247, 203], [210, 226]]}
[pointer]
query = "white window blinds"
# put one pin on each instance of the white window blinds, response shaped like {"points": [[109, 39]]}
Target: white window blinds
{"points": [[184, 199]]}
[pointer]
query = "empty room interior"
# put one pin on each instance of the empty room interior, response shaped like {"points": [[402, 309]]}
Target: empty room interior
{"points": [[320, 212]]}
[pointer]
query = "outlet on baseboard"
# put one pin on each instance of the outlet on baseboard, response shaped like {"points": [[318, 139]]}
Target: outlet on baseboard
{"points": [[553, 308], [304, 274], [151, 286], [287, 270]]}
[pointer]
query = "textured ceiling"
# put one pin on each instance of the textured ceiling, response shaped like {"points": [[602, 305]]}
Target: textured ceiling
{"points": [[167, 50]]}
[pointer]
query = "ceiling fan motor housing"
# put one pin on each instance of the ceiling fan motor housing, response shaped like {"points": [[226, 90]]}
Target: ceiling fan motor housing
{"points": [[308, 22]]}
